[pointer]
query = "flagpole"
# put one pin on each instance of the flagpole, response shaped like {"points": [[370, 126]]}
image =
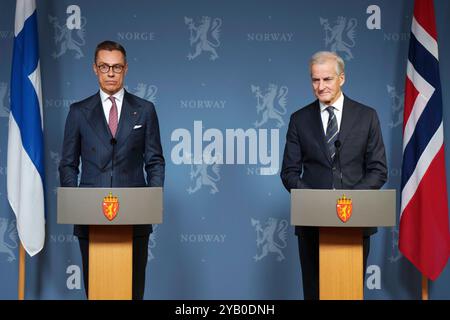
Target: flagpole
{"points": [[21, 284], [424, 288]]}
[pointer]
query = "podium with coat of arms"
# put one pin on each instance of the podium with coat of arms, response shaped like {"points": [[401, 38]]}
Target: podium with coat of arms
{"points": [[110, 214], [341, 216]]}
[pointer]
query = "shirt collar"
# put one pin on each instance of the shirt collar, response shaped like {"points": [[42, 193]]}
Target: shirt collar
{"points": [[118, 95], [338, 104]]}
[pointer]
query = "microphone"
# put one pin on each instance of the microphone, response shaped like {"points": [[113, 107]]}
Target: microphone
{"points": [[337, 144], [113, 142]]}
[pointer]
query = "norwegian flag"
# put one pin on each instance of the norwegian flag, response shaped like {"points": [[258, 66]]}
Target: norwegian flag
{"points": [[424, 231]]}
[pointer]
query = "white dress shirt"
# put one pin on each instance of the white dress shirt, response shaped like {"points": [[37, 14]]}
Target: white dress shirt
{"points": [[107, 104], [338, 109]]}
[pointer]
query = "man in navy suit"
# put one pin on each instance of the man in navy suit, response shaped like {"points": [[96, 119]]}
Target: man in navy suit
{"points": [[113, 123], [332, 143]]}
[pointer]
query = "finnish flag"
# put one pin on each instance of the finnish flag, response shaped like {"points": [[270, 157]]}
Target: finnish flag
{"points": [[25, 173]]}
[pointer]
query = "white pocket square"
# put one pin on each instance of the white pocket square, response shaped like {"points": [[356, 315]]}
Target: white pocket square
{"points": [[137, 126]]}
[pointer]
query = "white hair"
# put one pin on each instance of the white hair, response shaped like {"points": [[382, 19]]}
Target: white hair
{"points": [[323, 56]]}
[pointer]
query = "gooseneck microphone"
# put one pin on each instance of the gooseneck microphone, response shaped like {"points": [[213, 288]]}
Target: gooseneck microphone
{"points": [[337, 144], [113, 142]]}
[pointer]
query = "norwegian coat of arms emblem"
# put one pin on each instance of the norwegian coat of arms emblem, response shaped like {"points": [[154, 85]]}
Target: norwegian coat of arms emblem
{"points": [[110, 206], [344, 208]]}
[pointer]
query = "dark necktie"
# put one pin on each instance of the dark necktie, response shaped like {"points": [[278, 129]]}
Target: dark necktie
{"points": [[113, 118], [332, 132]]}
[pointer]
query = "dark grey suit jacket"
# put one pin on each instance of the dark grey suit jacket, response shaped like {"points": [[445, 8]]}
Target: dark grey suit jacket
{"points": [[307, 163], [87, 138]]}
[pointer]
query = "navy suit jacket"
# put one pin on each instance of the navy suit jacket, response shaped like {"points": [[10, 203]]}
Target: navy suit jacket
{"points": [[87, 138], [307, 163]]}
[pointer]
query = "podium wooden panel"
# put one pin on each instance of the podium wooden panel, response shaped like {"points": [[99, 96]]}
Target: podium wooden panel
{"points": [[110, 262], [341, 264]]}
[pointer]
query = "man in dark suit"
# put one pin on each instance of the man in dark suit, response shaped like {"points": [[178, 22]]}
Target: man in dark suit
{"points": [[113, 123], [330, 126]]}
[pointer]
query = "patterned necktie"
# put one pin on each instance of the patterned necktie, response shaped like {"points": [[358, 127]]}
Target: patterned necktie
{"points": [[113, 118], [332, 132]]}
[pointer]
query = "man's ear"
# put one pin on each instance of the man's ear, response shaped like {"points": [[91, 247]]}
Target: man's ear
{"points": [[342, 79]]}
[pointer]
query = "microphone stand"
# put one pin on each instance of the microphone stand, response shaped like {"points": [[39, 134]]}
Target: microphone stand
{"points": [[113, 142], [337, 144]]}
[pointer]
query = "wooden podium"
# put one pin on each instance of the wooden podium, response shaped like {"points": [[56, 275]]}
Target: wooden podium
{"points": [[341, 243], [110, 214]]}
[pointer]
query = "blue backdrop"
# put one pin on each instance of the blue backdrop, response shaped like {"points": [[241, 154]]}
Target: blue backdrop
{"points": [[209, 66]]}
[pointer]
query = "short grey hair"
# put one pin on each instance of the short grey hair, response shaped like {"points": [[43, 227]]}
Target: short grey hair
{"points": [[323, 56]]}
